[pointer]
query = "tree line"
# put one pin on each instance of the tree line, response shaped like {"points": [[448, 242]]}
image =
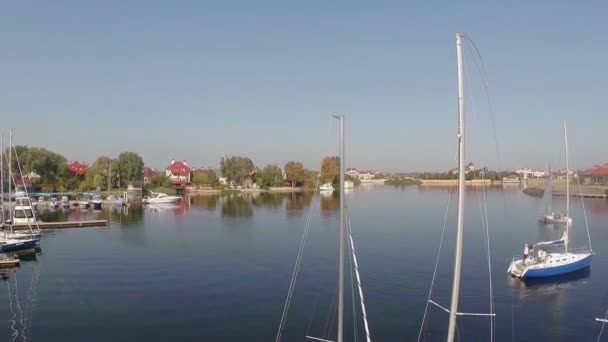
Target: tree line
{"points": [[54, 175], [241, 171]]}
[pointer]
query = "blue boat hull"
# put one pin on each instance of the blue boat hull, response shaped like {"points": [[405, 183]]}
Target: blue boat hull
{"points": [[557, 270], [19, 246]]}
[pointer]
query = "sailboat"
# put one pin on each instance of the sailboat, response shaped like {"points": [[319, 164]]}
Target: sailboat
{"points": [[551, 258], [552, 216], [10, 240]]}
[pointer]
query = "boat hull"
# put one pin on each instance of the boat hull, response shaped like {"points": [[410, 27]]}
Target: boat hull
{"points": [[550, 271], [164, 200], [97, 205], [18, 246], [552, 219]]}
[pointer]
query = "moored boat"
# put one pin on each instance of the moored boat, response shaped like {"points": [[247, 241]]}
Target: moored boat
{"points": [[160, 198], [327, 187], [551, 258], [96, 201]]}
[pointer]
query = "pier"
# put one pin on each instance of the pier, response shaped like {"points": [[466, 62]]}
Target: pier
{"points": [[64, 224]]}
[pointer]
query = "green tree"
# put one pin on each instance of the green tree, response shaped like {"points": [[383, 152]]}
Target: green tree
{"points": [[98, 173], [160, 181], [311, 179], [271, 175], [330, 169], [50, 166], [130, 167], [236, 169], [205, 178], [294, 172]]}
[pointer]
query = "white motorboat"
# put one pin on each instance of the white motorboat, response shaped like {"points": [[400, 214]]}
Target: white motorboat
{"points": [[54, 204], [327, 187], [23, 212], [83, 204], [96, 201], [160, 198], [349, 184]]}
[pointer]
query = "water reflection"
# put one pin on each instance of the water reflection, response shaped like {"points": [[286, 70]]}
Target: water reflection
{"points": [[330, 205], [297, 202], [268, 200], [236, 206], [22, 297], [208, 202]]}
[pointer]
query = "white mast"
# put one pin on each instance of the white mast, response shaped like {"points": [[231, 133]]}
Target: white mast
{"points": [[342, 235], [10, 176], [567, 188], [461, 190]]}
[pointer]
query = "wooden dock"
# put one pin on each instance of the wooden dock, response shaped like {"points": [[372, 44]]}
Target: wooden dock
{"points": [[588, 195], [64, 224]]}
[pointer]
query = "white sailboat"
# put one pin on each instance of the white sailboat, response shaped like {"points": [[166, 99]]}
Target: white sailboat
{"points": [[12, 241], [552, 216], [551, 258]]}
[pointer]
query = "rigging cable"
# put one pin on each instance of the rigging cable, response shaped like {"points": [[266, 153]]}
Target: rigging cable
{"points": [[354, 256], [428, 301], [352, 294], [580, 192], [296, 268], [298, 258]]}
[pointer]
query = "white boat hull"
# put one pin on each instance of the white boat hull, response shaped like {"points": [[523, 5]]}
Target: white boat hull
{"points": [[168, 199], [553, 219]]}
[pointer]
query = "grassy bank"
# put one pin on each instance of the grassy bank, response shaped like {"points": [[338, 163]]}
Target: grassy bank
{"points": [[402, 182], [535, 192]]}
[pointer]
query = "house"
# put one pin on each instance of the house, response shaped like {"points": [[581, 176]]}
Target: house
{"points": [[179, 172], [149, 173], [78, 169], [366, 175], [24, 185], [351, 171], [598, 175], [32, 175], [528, 173]]}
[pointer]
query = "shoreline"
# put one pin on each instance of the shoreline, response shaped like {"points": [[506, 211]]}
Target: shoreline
{"points": [[269, 190]]}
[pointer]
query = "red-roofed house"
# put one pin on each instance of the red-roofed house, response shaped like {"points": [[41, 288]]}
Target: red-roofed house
{"points": [[25, 184], [598, 175], [179, 172], [149, 173], [78, 169]]}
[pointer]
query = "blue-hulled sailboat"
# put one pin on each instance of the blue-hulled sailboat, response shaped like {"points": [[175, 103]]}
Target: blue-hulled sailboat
{"points": [[551, 258]]}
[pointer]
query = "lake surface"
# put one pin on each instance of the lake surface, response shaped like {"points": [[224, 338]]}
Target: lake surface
{"points": [[218, 269]]}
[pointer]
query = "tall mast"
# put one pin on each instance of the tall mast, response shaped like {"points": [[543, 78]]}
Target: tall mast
{"points": [[461, 190], [567, 188], [342, 235], [567, 173], [109, 176], [10, 175]]}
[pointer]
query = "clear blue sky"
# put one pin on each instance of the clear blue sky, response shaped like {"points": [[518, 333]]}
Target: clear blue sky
{"points": [[198, 80]]}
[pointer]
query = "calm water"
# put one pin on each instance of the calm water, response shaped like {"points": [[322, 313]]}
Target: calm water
{"points": [[218, 269]]}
